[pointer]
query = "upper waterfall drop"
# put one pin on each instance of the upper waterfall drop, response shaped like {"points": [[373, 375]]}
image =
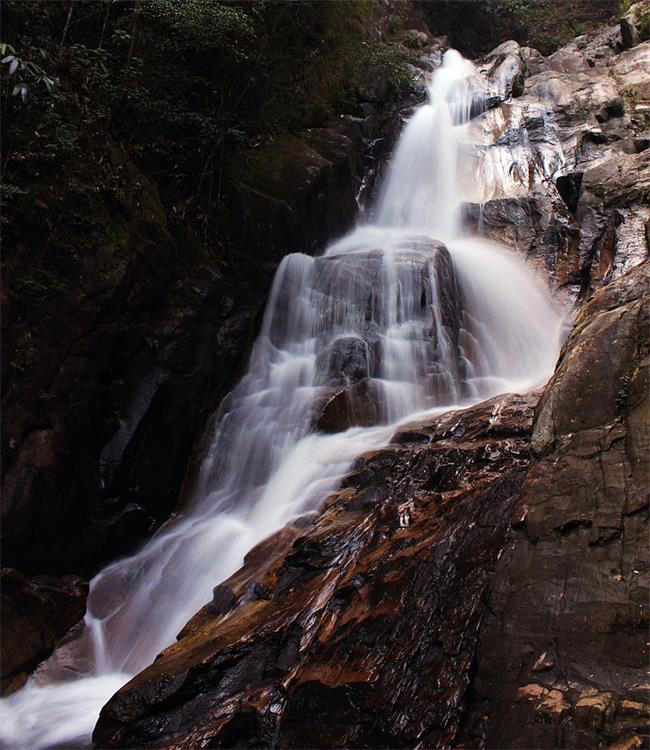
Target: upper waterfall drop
{"points": [[400, 316], [421, 189]]}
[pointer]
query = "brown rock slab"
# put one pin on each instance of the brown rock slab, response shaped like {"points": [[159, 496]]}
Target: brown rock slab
{"points": [[373, 613], [573, 578]]}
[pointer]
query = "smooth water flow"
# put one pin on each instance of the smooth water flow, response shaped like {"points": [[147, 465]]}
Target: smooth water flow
{"points": [[421, 192], [389, 322]]}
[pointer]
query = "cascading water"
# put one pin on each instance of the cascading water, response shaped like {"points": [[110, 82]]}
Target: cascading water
{"points": [[389, 322]]}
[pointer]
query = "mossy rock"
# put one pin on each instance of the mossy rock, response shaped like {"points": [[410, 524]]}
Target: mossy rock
{"points": [[635, 24]]}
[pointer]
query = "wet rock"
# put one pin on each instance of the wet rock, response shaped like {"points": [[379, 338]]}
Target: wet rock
{"points": [[593, 708], [544, 701], [258, 591], [634, 708], [358, 405], [574, 575], [603, 347], [223, 600], [36, 613], [545, 661], [539, 228], [412, 591], [364, 604], [345, 362], [478, 106]]}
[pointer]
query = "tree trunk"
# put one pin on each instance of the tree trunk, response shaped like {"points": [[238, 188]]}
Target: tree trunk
{"points": [[108, 10], [134, 31], [67, 25]]}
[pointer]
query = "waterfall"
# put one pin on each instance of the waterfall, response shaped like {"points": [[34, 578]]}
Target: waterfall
{"points": [[402, 316]]}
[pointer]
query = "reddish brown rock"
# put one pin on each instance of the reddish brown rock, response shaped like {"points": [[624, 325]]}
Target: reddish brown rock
{"points": [[371, 621], [454, 593], [356, 405]]}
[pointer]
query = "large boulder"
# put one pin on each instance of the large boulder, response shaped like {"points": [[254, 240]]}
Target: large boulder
{"points": [[562, 654], [635, 24], [36, 613], [505, 67], [356, 406], [346, 361]]}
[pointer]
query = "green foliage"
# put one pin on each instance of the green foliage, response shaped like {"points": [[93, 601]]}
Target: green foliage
{"points": [[22, 74], [644, 26], [208, 24], [395, 24], [515, 7], [179, 86], [477, 26]]}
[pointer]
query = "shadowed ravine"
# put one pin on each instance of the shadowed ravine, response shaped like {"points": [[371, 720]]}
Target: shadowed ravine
{"points": [[403, 316]]}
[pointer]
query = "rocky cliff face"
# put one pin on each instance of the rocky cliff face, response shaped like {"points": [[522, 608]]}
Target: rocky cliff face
{"points": [[482, 581], [570, 153], [563, 649], [366, 621]]}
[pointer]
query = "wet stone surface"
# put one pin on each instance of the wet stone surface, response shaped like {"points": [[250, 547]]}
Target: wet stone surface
{"points": [[377, 604]]}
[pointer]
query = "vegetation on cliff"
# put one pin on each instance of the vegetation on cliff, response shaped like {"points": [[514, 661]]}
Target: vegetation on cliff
{"points": [[477, 27], [177, 87]]}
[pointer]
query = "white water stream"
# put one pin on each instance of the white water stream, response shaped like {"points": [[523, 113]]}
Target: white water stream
{"points": [[388, 318]]}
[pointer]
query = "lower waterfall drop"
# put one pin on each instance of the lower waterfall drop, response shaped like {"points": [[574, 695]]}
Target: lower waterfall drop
{"points": [[399, 317]]}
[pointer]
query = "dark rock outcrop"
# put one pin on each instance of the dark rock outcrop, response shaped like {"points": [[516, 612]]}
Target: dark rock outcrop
{"points": [[375, 605], [36, 612], [563, 649], [635, 24], [359, 404]]}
